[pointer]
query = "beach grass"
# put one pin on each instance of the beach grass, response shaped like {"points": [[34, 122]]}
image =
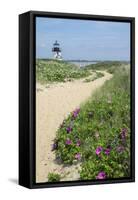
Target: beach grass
{"points": [[107, 65]]}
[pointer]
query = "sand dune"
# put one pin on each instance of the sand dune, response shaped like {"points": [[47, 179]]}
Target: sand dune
{"points": [[53, 104]]}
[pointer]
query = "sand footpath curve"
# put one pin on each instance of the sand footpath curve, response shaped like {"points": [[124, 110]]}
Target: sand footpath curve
{"points": [[53, 104]]}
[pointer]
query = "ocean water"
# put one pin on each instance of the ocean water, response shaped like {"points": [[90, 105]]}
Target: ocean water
{"points": [[82, 63]]}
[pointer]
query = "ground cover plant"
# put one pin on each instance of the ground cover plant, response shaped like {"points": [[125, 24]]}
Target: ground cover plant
{"points": [[93, 78], [97, 134], [58, 71]]}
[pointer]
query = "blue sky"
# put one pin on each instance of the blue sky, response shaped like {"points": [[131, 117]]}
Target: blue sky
{"points": [[83, 39]]}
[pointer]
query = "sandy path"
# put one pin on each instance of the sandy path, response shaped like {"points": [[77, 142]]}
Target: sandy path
{"points": [[53, 104]]}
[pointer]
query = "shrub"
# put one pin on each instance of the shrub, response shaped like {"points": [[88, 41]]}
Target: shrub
{"points": [[58, 71], [53, 177], [98, 134]]}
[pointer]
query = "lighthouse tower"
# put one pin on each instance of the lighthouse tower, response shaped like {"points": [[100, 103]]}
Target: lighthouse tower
{"points": [[57, 51]]}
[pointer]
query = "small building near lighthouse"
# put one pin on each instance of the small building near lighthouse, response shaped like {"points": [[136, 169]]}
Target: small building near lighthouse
{"points": [[57, 51]]}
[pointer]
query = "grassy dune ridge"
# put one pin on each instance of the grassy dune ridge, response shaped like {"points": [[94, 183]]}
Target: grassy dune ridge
{"points": [[58, 71], [98, 133], [110, 66]]}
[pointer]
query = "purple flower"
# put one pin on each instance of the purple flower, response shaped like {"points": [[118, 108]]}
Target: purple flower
{"points": [[101, 175], [123, 133], [78, 143], [69, 129], [54, 146], [107, 151], [68, 141], [120, 149], [78, 156], [98, 150], [75, 112]]}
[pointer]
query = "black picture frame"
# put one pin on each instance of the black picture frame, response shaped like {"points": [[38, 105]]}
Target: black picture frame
{"points": [[27, 97]]}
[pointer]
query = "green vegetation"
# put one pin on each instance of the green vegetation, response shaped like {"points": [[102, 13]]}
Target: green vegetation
{"points": [[107, 65], [98, 133], [53, 177], [96, 76], [58, 71]]}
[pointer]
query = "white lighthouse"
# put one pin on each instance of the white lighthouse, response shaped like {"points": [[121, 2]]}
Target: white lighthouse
{"points": [[57, 51]]}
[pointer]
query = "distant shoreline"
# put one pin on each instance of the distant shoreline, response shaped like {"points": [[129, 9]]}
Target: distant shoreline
{"points": [[83, 60], [83, 63]]}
